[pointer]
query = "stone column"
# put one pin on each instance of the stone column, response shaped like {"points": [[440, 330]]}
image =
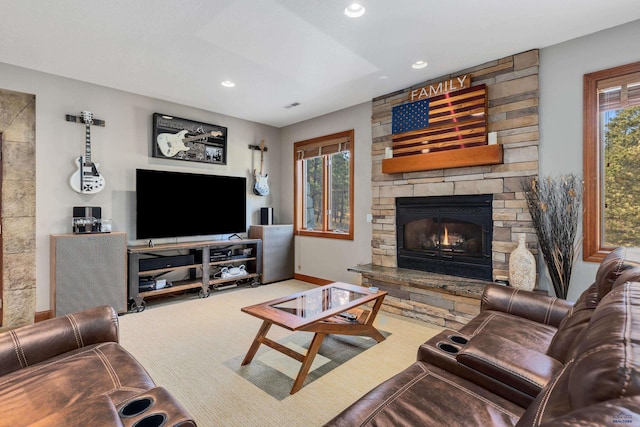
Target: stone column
{"points": [[17, 126]]}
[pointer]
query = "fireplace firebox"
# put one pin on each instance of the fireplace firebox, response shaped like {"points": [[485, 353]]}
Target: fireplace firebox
{"points": [[446, 234]]}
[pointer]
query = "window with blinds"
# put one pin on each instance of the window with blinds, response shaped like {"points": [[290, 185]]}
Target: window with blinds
{"points": [[315, 148], [324, 186], [619, 92], [611, 160]]}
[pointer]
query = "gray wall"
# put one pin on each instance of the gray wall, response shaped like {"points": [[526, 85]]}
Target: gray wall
{"points": [[330, 258], [562, 68], [120, 148]]}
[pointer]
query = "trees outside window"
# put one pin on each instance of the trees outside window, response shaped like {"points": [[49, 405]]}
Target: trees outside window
{"points": [[324, 186], [611, 160], [621, 190]]}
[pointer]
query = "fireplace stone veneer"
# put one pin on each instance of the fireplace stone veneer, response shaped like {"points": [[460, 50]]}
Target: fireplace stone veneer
{"points": [[512, 96]]}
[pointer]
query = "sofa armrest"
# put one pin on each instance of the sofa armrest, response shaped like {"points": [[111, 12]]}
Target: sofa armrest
{"points": [[154, 407], [96, 411], [509, 362], [529, 305], [31, 344]]}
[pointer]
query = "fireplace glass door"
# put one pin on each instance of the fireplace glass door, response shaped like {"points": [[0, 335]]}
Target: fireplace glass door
{"points": [[444, 236]]}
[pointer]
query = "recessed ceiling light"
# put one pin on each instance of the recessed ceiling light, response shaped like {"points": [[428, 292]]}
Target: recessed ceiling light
{"points": [[383, 77], [227, 83], [419, 65], [354, 10]]}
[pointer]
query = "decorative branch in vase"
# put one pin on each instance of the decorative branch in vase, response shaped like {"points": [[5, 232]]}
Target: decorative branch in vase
{"points": [[554, 205]]}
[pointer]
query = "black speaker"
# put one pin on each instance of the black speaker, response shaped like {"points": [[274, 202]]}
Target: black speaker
{"points": [[266, 216]]}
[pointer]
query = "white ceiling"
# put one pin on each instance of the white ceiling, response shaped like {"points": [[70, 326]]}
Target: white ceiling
{"points": [[283, 51]]}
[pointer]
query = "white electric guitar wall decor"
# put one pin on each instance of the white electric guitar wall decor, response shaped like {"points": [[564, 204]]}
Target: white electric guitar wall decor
{"points": [[171, 144], [87, 179], [261, 187]]}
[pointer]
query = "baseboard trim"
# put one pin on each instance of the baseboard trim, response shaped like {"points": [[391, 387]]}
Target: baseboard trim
{"points": [[311, 279], [43, 315]]}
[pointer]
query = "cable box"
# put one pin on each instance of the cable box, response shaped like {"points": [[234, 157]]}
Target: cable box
{"points": [[220, 255], [214, 255]]}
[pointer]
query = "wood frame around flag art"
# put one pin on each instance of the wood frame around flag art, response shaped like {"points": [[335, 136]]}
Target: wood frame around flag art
{"points": [[454, 133], [455, 120]]}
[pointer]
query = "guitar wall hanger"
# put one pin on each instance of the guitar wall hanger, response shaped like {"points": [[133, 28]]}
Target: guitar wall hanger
{"points": [[79, 119]]}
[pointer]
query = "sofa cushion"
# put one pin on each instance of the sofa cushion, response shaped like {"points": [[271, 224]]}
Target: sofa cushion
{"points": [[606, 365], [619, 412], [613, 265], [35, 392], [571, 326], [537, 307], [425, 395], [527, 333]]}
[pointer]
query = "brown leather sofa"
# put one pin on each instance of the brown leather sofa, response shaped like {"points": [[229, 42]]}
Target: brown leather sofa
{"points": [[525, 360], [71, 371]]}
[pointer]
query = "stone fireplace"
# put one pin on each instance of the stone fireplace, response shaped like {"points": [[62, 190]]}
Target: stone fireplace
{"points": [[444, 299], [445, 234]]}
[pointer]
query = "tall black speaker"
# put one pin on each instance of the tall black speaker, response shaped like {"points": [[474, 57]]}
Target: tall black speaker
{"points": [[266, 216]]}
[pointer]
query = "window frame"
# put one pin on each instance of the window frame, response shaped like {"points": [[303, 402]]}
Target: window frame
{"points": [[593, 249], [298, 177]]}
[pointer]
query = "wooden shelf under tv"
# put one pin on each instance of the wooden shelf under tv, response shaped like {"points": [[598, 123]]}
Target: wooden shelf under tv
{"points": [[462, 157], [183, 286], [204, 268], [232, 279]]}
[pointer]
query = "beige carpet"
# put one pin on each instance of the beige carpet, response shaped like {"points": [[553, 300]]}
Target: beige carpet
{"points": [[193, 347]]}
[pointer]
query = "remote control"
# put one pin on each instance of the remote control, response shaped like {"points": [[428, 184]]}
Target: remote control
{"points": [[348, 316]]}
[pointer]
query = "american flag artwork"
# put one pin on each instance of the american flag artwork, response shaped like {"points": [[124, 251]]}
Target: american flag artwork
{"points": [[411, 116]]}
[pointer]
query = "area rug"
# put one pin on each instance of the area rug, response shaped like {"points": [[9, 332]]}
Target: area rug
{"points": [[274, 372]]}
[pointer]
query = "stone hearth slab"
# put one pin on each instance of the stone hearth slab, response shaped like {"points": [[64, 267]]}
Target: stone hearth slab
{"points": [[447, 301]]}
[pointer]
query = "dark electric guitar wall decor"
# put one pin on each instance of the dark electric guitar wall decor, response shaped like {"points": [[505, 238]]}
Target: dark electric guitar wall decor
{"points": [[87, 179], [261, 187]]}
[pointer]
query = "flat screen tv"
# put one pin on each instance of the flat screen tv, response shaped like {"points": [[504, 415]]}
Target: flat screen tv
{"points": [[176, 204]]}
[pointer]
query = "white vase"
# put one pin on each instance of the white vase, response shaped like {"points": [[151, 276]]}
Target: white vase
{"points": [[522, 267]]}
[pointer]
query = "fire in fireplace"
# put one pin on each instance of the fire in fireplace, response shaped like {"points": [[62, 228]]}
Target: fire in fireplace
{"points": [[445, 234]]}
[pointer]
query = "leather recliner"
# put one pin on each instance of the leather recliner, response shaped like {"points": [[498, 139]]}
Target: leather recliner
{"points": [[71, 371], [526, 360]]}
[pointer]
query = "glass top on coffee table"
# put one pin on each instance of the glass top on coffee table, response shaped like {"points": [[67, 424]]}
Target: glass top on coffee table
{"points": [[304, 308], [316, 301]]}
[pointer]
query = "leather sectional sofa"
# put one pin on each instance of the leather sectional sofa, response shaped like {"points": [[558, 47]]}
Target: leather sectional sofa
{"points": [[526, 360], [71, 371]]}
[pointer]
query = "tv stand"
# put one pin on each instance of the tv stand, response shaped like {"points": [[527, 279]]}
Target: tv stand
{"points": [[203, 273]]}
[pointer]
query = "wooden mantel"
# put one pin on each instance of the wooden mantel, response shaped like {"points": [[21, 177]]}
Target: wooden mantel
{"points": [[462, 157]]}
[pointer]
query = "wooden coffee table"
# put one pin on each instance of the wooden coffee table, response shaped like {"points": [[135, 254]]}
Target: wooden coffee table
{"points": [[330, 309]]}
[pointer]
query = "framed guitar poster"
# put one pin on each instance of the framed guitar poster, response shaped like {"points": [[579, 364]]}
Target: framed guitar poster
{"points": [[183, 139]]}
